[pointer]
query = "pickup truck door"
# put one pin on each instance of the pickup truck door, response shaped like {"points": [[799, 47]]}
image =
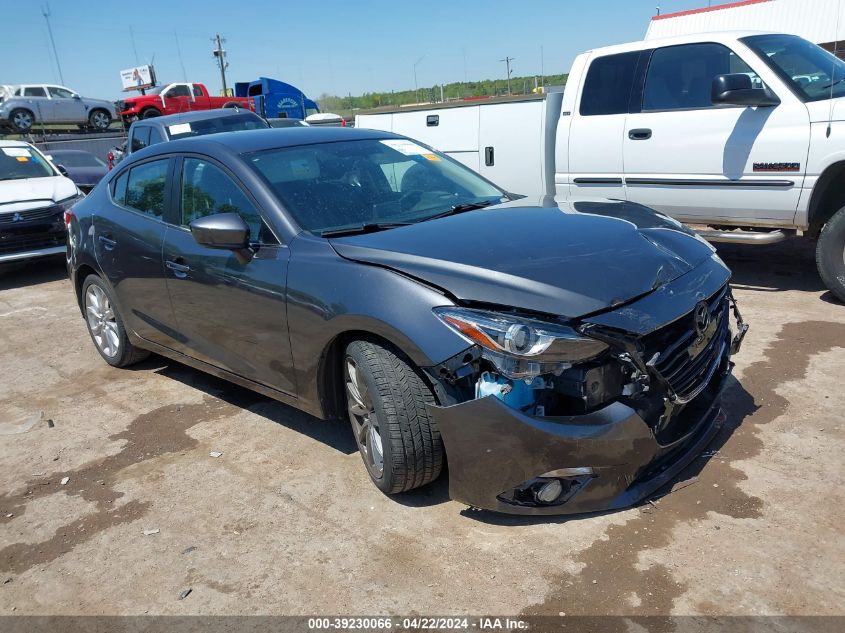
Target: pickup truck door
{"points": [[231, 313], [177, 98], [593, 130], [695, 161], [67, 106]]}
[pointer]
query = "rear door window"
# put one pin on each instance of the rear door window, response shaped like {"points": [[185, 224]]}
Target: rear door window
{"points": [[681, 77], [145, 187], [607, 88], [34, 91]]}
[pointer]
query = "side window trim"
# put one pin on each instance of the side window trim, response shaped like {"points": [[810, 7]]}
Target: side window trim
{"points": [[176, 196]]}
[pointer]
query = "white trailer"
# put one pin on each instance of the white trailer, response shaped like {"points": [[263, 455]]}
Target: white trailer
{"points": [[511, 142]]}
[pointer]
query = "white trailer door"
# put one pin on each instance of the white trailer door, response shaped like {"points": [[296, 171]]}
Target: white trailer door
{"points": [[453, 131], [696, 162], [511, 147]]}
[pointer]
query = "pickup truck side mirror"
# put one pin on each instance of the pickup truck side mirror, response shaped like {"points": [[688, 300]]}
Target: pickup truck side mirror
{"points": [[736, 89], [62, 170]]}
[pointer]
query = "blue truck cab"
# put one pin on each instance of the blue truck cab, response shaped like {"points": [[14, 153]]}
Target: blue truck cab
{"points": [[276, 99]]}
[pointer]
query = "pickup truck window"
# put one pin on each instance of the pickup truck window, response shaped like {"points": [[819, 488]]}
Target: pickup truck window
{"points": [[140, 138], [155, 136], [180, 90], [681, 77], [813, 73], [607, 87], [198, 91], [34, 91]]}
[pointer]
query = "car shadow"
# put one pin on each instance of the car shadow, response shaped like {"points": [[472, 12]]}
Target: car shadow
{"points": [[787, 265], [335, 434], [32, 272]]}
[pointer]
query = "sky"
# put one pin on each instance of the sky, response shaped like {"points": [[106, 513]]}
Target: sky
{"points": [[325, 46]]}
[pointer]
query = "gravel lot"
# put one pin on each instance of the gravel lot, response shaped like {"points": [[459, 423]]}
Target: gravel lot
{"points": [[285, 521]]}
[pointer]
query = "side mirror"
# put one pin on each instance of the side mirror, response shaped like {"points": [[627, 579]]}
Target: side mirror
{"points": [[62, 170], [225, 231], [736, 89], [77, 97]]}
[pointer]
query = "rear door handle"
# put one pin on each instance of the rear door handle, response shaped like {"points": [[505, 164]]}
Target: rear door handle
{"points": [[107, 242], [179, 269], [640, 134]]}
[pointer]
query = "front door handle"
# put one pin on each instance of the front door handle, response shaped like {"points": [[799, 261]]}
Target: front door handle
{"points": [[107, 242], [179, 269], [640, 134]]}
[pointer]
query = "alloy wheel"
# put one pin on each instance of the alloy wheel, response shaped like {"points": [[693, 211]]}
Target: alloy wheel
{"points": [[100, 120], [364, 420], [101, 321]]}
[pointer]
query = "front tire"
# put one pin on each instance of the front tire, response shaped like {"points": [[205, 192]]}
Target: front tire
{"points": [[830, 254], [100, 120], [386, 401], [21, 120], [149, 113], [106, 326]]}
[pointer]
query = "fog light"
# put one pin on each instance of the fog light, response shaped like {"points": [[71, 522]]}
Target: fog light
{"points": [[549, 492]]}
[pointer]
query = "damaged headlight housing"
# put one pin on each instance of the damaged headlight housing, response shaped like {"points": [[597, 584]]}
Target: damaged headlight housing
{"points": [[521, 347]]}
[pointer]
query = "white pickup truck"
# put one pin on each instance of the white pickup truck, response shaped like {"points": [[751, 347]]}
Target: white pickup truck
{"points": [[742, 132]]}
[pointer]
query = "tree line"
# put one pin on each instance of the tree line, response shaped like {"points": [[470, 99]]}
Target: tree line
{"points": [[432, 94]]}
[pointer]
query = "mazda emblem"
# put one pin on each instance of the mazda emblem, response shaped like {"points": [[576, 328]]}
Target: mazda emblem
{"points": [[702, 317]]}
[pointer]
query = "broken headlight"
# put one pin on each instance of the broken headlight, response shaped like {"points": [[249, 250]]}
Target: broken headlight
{"points": [[521, 347]]}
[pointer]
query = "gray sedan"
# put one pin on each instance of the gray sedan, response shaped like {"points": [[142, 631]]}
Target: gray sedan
{"points": [[42, 103]]}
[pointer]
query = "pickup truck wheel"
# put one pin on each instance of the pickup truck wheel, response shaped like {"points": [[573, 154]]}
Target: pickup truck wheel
{"points": [[99, 120], [149, 113], [830, 254], [387, 398], [21, 120], [232, 104], [106, 326]]}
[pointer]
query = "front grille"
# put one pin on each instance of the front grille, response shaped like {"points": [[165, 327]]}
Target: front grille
{"points": [[20, 243], [685, 360], [31, 215]]}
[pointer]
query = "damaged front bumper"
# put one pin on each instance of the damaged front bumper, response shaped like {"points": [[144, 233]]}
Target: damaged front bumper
{"points": [[517, 462]]}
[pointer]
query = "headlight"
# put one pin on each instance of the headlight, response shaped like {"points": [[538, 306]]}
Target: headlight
{"points": [[521, 347]]}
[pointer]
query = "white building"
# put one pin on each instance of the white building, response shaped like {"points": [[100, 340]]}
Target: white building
{"points": [[820, 21]]}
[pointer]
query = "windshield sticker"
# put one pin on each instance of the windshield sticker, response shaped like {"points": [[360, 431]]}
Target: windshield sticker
{"points": [[433, 157], [17, 152], [408, 148], [180, 128], [22, 159]]}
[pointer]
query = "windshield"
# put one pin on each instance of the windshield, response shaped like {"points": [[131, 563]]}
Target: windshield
{"points": [[814, 73], [77, 159], [231, 123], [329, 187], [155, 91], [17, 163]]}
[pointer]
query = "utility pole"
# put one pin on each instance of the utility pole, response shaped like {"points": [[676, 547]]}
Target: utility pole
{"points": [[416, 88], [45, 11], [220, 54], [508, 61]]}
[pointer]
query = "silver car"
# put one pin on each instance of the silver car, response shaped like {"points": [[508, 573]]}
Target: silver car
{"points": [[43, 103]]}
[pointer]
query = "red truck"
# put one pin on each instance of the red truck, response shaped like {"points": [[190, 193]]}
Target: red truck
{"points": [[176, 98]]}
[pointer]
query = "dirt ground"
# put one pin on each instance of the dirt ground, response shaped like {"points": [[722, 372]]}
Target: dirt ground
{"points": [[285, 521]]}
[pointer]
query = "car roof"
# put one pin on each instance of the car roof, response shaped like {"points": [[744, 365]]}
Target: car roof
{"points": [[196, 115], [689, 38], [14, 144], [244, 141]]}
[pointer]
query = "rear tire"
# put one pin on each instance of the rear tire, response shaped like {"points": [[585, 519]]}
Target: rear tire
{"points": [[21, 120], [386, 400], [830, 254], [106, 326]]}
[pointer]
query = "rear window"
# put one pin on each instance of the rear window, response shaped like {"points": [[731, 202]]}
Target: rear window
{"points": [[607, 89], [231, 123]]}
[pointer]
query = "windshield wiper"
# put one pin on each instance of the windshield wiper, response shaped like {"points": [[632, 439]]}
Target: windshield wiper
{"points": [[460, 208], [831, 85], [370, 227]]}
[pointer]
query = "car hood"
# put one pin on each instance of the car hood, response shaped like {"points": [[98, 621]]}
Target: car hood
{"points": [[31, 193], [569, 258], [86, 175]]}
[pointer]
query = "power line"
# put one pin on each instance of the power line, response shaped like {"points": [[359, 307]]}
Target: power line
{"points": [[508, 61], [45, 11]]}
